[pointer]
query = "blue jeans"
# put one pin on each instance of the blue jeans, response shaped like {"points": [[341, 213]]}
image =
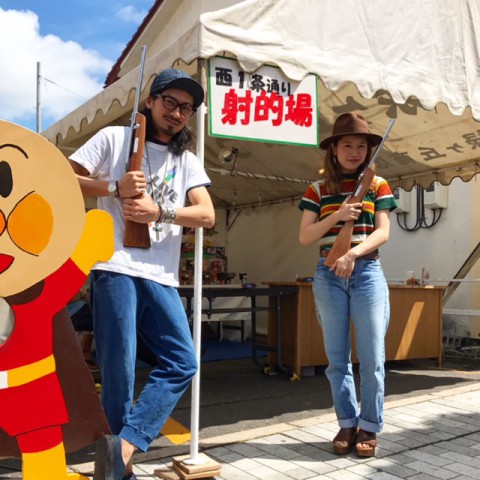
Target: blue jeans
{"points": [[122, 307], [364, 298]]}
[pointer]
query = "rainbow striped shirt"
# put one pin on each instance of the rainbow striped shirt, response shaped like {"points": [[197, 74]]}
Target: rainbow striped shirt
{"points": [[317, 200]]}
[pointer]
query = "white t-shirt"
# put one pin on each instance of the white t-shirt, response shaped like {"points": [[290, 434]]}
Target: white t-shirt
{"points": [[105, 157]]}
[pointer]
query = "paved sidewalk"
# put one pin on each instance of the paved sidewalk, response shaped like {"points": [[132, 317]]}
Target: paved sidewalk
{"points": [[432, 436]]}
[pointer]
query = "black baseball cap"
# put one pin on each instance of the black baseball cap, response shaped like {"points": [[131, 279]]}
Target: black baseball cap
{"points": [[173, 78]]}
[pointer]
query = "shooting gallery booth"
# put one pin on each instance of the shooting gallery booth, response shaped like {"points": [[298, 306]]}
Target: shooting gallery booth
{"points": [[362, 59]]}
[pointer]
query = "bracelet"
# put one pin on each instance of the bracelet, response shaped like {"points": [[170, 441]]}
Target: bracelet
{"points": [[160, 214], [169, 215], [117, 191], [166, 214]]}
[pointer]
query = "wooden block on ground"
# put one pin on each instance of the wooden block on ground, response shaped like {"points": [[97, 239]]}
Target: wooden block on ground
{"points": [[167, 473], [205, 464], [199, 475]]}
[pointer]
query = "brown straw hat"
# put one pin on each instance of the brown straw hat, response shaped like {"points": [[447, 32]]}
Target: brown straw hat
{"points": [[350, 124]]}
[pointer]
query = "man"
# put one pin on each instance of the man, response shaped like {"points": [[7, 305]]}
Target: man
{"points": [[135, 292]]}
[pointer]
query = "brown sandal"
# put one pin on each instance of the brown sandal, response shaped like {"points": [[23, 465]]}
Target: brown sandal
{"points": [[344, 440], [365, 443]]}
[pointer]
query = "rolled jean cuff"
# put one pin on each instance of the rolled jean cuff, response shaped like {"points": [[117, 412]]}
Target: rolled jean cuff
{"points": [[369, 426], [133, 436], [348, 422]]}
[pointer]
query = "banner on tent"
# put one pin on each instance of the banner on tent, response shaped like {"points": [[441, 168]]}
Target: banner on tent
{"points": [[262, 106]]}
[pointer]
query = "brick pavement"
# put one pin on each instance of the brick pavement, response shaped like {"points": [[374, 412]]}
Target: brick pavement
{"points": [[430, 436]]}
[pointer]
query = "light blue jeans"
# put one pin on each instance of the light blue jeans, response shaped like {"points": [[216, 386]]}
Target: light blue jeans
{"points": [[365, 299], [122, 306]]}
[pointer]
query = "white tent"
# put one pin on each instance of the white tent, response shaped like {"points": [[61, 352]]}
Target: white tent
{"points": [[414, 60]]}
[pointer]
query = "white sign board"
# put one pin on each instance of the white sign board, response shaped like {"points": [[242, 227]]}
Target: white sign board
{"points": [[263, 106]]}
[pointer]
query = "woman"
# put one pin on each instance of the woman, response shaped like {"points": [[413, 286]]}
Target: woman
{"points": [[354, 287]]}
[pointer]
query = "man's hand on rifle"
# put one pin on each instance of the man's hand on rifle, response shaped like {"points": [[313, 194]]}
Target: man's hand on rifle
{"points": [[137, 205], [133, 183], [140, 210]]}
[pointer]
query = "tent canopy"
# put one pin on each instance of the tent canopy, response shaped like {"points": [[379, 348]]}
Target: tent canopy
{"points": [[413, 60]]}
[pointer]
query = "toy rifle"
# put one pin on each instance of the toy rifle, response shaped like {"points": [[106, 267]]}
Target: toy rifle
{"points": [[137, 234], [344, 238]]}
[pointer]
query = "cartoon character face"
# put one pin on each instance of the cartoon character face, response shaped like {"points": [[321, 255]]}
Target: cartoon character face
{"points": [[42, 212]]}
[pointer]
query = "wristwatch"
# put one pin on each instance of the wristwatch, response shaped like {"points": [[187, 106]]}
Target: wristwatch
{"points": [[112, 188]]}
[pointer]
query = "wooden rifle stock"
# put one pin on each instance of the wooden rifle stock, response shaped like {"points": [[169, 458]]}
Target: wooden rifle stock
{"points": [[344, 238], [137, 234]]}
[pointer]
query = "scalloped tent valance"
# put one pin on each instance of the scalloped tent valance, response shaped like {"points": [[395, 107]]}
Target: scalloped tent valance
{"points": [[413, 60]]}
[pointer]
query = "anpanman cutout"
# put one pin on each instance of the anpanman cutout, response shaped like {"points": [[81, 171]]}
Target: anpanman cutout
{"points": [[47, 248]]}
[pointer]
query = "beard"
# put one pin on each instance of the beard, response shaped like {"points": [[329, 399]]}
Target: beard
{"points": [[168, 130], [168, 126]]}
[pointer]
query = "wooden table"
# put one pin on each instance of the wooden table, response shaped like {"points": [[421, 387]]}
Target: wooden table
{"points": [[415, 329]]}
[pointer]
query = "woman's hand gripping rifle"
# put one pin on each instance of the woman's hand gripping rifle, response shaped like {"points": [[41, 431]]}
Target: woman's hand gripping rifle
{"points": [[343, 241], [344, 238]]}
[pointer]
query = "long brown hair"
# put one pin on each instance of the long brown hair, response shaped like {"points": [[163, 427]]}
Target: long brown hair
{"points": [[332, 171]]}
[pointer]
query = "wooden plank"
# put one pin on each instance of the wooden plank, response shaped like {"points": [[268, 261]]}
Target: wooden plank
{"points": [[174, 473], [205, 464], [462, 272]]}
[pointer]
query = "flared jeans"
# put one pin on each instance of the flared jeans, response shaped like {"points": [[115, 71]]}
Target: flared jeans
{"points": [[124, 306], [363, 298]]}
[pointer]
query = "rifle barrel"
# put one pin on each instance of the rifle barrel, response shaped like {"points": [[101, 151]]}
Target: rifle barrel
{"points": [[375, 155], [138, 91]]}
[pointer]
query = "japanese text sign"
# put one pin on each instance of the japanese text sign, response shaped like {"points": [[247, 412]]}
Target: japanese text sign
{"points": [[263, 106]]}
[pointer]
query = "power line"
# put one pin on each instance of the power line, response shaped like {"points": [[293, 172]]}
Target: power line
{"points": [[38, 102], [63, 88]]}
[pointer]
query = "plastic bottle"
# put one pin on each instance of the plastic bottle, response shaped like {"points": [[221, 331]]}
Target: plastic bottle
{"points": [[425, 276]]}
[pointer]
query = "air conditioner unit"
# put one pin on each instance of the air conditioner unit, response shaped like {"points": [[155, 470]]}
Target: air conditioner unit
{"points": [[403, 199], [436, 196]]}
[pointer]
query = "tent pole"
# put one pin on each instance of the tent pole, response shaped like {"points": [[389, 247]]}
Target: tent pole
{"points": [[197, 298], [196, 465]]}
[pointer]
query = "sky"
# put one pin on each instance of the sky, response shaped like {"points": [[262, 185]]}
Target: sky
{"points": [[76, 43]]}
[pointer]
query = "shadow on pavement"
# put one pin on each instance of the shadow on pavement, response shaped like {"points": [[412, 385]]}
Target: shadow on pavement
{"points": [[236, 395]]}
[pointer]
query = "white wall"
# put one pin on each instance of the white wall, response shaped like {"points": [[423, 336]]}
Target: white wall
{"points": [[264, 243], [442, 248]]}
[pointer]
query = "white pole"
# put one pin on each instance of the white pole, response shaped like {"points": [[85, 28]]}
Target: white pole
{"points": [[39, 119], [197, 286]]}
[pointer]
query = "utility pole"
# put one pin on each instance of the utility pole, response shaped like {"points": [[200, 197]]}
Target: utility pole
{"points": [[39, 119]]}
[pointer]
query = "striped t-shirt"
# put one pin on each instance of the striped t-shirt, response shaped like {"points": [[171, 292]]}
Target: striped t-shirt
{"points": [[317, 200]]}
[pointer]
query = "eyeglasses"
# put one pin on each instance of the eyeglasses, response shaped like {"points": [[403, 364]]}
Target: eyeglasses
{"points": [[170, 103]]}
